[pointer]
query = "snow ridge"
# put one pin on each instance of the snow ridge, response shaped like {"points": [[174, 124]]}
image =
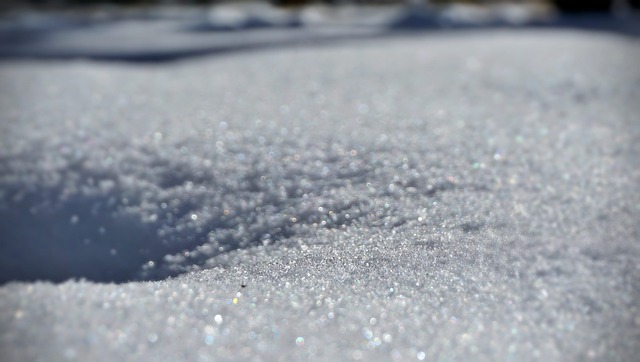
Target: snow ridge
{"points": [[157, 211]]}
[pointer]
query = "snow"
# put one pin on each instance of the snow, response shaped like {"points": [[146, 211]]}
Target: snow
{"points": [[414, 197]]}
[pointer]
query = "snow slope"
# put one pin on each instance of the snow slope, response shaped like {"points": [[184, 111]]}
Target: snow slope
{"points": [[433, 197]]}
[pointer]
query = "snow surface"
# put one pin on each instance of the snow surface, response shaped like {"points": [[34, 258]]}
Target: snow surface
{"points": [[467, 196]]}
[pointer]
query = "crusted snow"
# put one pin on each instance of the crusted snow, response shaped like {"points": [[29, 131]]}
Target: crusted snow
{"points": [[434, 197]]}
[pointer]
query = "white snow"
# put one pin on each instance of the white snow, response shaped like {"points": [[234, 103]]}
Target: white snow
{"points": [[468, 196]]}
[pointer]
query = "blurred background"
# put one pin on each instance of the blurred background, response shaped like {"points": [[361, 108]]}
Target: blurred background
{"points": [[163, 30], [562, 5], [565, 6]]}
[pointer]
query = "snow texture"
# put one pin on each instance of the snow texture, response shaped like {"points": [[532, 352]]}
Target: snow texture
{"points": [[465, 196]]}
